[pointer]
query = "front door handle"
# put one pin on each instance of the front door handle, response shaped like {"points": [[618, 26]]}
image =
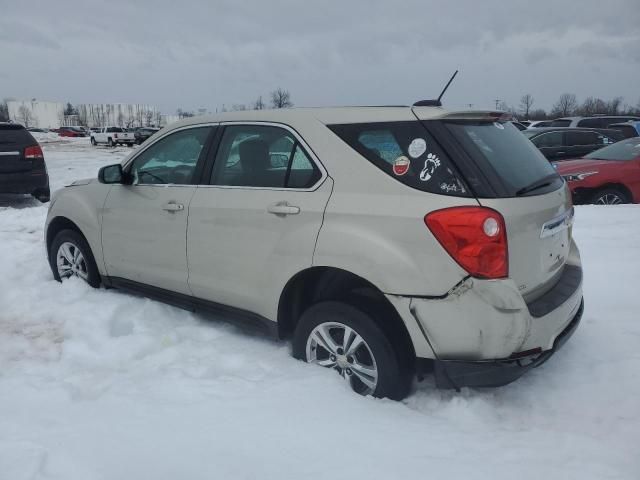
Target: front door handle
{"points": [[173, 207], [282, 209]]}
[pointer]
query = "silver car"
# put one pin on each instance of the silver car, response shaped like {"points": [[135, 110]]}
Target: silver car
{"points": [[385, 241]]}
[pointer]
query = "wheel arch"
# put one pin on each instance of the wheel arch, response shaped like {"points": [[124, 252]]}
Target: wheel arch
{"points": [[316, 284], [56, 225]]}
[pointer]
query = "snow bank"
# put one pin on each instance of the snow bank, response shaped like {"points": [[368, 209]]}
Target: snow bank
{"points": [[98, 384]]}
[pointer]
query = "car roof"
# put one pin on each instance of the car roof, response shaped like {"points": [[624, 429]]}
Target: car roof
{"points": [[327, 115]]}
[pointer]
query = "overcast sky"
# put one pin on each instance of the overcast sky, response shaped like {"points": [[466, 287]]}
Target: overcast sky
{"points": [[206, 53]]}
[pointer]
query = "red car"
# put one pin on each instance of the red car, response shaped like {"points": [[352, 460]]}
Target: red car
{"points": [[608, 176], [71, 132]]}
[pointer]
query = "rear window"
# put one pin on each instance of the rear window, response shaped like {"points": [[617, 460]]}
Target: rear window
{"points": [[405, 151], [624, 150], [15, 134], [501, 147], [114, 130], [561, 123]]}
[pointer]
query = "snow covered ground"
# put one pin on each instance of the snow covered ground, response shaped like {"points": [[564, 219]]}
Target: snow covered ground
{"points": [[98, 384]]}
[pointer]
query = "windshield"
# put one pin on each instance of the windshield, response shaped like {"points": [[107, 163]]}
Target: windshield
{"points": [[513, 158], [624, 150]]}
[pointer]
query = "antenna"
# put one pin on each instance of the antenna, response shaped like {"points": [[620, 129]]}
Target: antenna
{"points": [[436, 103], [447, 85]]}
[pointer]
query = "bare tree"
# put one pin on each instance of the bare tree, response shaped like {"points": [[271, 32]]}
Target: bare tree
{"points": [[120, 119], [566, 105], [148, 116], [280, 98], [25, 116], [538, 114], [4, 111], [526, 102], [259, 104], [70, 110], [613, 106]]}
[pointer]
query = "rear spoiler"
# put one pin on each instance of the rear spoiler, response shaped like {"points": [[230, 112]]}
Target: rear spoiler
{"points": [[474, 115], [486, 115]]}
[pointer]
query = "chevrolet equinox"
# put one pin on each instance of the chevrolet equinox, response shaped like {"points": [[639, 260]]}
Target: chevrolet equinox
{"points": [[383, 241]]}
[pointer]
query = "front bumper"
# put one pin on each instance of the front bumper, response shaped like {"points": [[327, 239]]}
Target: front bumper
{"points": [[495, 373]]}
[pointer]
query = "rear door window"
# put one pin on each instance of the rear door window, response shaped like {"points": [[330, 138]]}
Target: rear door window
{"points": [[262, 157], [561, 123], [406, 152], [582, 138]]}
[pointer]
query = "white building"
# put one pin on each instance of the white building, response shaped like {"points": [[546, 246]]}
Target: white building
{"points": [[36, 113]]}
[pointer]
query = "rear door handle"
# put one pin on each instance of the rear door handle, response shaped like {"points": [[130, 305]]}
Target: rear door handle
{"points": [[173, 207], [283, 208]]}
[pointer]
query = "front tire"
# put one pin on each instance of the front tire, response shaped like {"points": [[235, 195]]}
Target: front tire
{"points": [[70, 256], [110, 143], [344, 338], [93, 141], [610, 196]]}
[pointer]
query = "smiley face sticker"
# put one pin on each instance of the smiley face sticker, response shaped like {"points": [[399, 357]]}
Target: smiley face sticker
{"points": [[401, 166]]}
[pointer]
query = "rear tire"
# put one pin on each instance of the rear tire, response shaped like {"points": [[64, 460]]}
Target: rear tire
{"points": [[43, 196], [110, 143], [70, 255], [610, 196], [93, 141], [369, 362]]}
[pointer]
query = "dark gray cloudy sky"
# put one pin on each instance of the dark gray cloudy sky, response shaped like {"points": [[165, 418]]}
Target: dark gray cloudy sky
{"points": [[203, 53]]}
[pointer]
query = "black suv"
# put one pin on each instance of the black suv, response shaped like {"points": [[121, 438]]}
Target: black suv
{"points": [[142, 133], [560, 143], [22, 167]]}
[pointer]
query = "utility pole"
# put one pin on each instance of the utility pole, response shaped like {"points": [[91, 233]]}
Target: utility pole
{"points": [[497, 100], [470, 105]]}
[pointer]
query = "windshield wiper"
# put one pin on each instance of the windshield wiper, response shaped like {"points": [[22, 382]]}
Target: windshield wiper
{"points": [[538, 184]]}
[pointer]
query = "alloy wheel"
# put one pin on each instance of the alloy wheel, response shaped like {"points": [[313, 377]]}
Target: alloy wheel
{"points": [[337, 346], [609, 199], [71, 262]]}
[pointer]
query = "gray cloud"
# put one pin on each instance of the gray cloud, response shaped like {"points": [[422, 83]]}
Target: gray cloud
{"points": [[197, 53]]}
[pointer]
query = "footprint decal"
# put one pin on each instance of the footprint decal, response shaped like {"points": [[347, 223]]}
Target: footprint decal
{"points": [[430, 164]]}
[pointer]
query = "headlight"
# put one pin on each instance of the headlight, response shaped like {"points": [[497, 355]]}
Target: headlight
{"points": [[576, 177]]}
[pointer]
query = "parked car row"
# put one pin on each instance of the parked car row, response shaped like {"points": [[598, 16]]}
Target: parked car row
{"points": [[114, 135]]}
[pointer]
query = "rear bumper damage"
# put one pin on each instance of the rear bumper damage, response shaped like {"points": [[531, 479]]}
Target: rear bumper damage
{"points": [[482, 333], [496, 373]]}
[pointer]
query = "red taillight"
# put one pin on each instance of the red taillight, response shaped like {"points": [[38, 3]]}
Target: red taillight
{"points": [[475, 237], [32, 153], [115, 135]]}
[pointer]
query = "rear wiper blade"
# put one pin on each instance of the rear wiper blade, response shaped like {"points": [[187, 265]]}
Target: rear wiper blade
{"points": [[543, 182]]}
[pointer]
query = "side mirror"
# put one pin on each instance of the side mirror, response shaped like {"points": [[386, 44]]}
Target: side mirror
{"points": [[113, 174]]}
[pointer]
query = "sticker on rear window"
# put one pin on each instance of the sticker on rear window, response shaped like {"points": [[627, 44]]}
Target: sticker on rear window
{"points": [[430, 165], [498, 125], [401, 166], [417, 147]]}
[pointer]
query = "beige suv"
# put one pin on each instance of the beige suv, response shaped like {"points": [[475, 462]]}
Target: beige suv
{"points": [[384, 241]]}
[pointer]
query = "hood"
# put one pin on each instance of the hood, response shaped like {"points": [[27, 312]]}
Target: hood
{"points": [[84, 181], [582, 164]]}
